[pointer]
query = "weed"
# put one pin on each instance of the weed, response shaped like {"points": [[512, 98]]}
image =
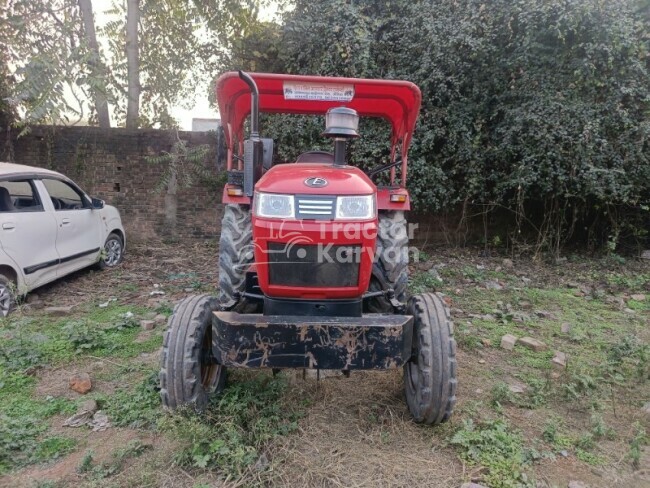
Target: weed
{"points": [[423, 282], [18, 439], [128, 287], [107, 469], [465, 339], [500, 394], [538, 392], [551, 429], [580, 384], [126, 321], [86, 463], [137, 408], [589, 457], [586, 442], [231, 434], [472, 273], [84, 336], [495, 446], [639, 440], [165, 309], [54, 447], [599, 429], [19, 354], [631, 282]]}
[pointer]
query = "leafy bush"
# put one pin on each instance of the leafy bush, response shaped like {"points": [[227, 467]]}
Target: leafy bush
{"points": [[534, 111]]}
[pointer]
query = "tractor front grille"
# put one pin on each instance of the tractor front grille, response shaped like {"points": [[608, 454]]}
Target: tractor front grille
{"points": [[313, 265], [319, 207]]}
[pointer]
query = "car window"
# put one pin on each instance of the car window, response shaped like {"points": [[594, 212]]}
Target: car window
{"points": [[64, 196], [19, 196]]}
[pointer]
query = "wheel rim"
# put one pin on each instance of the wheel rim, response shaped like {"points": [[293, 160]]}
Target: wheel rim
{"points": [[113, 251], [5, 300], [210, 370], [413, 376]]}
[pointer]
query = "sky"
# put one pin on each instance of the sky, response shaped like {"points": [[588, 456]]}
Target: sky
{"points": [[201, 107]]}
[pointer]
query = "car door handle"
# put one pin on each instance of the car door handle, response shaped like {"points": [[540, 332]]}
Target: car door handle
{"points": [[8, 226], [65, 221]]}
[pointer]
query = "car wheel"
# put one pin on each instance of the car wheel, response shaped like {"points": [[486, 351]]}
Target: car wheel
{"points": [[6, 295], [113, 252]]}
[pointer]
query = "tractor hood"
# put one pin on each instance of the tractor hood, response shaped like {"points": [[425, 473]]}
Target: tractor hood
{"points": [[315, 179]]}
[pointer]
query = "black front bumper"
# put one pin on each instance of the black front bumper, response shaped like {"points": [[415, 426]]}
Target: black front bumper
{"points": [[373, 341]]}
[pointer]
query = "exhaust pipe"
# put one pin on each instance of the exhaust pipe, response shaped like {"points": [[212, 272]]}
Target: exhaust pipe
{"points": [[253, 147], [255, 104]]}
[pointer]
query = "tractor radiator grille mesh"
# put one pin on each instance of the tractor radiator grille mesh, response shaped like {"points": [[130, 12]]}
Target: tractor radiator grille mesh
{"points": [[320, 207], [313, 265]]}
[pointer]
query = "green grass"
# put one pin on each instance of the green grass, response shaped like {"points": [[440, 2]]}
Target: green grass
{"points": [[30, 343], [607, 357], [497, 447], [137, 407], [23, 422], [231, 434]]}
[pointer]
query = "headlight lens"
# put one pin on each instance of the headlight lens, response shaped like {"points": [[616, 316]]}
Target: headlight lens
{"points": [[355, 208], [273, 205]]}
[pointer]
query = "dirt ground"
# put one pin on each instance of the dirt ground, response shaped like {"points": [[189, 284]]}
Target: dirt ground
{"points": [[578, 426]]}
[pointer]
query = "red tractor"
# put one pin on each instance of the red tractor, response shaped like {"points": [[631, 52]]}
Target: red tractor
{"points": [[313, 264]]}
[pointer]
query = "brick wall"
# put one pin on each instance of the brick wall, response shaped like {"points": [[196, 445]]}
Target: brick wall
{"points": [[111, 164]]}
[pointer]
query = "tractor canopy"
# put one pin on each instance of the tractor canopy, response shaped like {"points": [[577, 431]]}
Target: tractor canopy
{"points": [[396, 101]]}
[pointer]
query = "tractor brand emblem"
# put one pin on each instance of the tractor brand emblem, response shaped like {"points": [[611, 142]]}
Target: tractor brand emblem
{"points": [[316, 182]]}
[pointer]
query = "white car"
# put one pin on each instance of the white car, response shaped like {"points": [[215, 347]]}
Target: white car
{"points": [[49, 228]]}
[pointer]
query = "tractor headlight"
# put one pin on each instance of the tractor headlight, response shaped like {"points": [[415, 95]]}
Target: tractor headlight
{"points": [[273, 205], [355, 208]]}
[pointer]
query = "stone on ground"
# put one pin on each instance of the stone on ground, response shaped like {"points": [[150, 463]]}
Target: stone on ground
{"points": [[639, 297], [59, 311], [507, 263], [508, 342], [88, 406], [160, 319], [578, 484], [148, 324], [559, 360], [533, 344], [81, 383], [566, 328]]}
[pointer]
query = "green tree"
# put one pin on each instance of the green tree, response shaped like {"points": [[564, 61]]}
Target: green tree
{"points": [[61, 72]]}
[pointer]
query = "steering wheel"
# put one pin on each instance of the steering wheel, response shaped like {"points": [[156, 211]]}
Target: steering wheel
{"points": [[57, 203]]}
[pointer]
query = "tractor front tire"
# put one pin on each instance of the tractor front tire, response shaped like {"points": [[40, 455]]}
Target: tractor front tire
{"points": [[189, 374], [430, 376], [391, 262], [235, 257]]}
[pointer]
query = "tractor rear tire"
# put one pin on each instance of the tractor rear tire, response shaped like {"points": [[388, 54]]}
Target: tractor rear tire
{"points": [[189, 374], [430, 376], [235, 257], [391, 262]]}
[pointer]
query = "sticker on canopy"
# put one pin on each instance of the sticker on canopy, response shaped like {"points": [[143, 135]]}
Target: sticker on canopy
{"points": [[318, 91]]}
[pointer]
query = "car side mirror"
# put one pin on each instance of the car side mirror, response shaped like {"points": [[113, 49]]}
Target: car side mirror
{"points": [[97, 203]]}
